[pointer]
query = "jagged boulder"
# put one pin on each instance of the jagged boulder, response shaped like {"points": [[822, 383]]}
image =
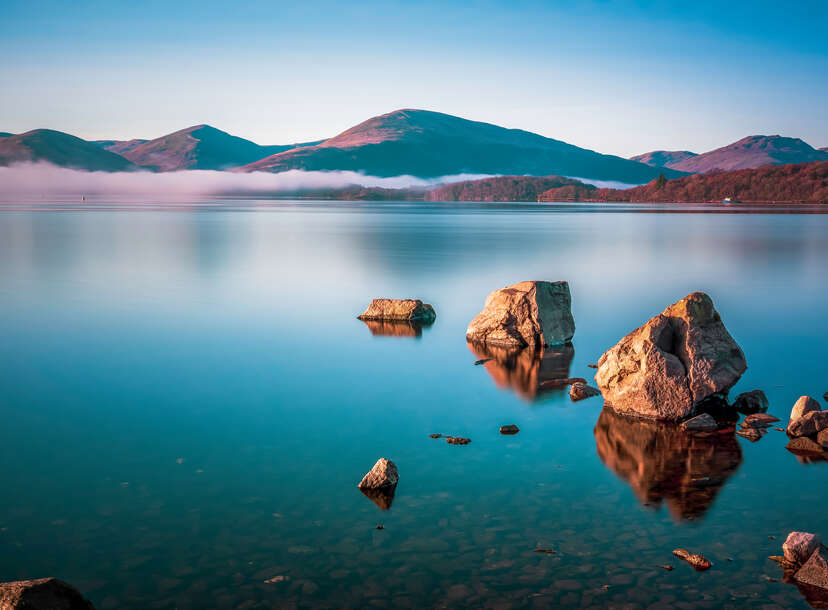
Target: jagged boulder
{"points": [[41, 594], [809, 424], [533, 314], [399, 310], [799, 546], [383, 474], [814, 572], [667, 367]]}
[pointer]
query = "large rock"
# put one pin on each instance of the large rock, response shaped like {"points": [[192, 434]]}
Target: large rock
{"points": [[399, 310], [700, 423], [814, 572], [533, 314], [803, 406], [42, 594], [665, 368], [809, 424], [751, 402], [799, 546], [383, 474]]}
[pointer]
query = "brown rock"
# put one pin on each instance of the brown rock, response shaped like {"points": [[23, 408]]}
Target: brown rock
{"points": [[533, 314], [383, 474], [814, 571], [752, 434], [435, 435], [758, 420], [697, 561], [580, 391], [754, 401], [799, 546], [399, 309], [809, 424], [42, 594], [700, 423], [802, 445], [803, 405], [676, 360], [457, 440], [509, 429], [784, 563], [822, 438]]}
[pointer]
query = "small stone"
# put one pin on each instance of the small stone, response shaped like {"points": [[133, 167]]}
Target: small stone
{"points": [[814, 572], [786, 565], [457, 440], [481, 361], [399, 309], [803, 405], [758, 420], [277, 579], [799, 546], [380, 527], [809, 424], [668, 568], [41, 594], [509, 429], [754, 401], [580, 391], [751, 434], [699, 562], [700, 423], [435, 435], [383, 474]]}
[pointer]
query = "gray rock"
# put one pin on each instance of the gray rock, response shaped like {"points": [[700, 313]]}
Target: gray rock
{"points": [[803, 405], [676, 360], [42, 594], [809, 424], [534, 314], [399, 310], [799, 546], [754, 401], [580, 391], [814, 572], [383, 474], [700, 423]]}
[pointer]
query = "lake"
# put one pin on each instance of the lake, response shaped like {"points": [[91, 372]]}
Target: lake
{"points": [[188, 402]]}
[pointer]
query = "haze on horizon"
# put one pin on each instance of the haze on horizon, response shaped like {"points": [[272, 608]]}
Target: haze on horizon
{"points": [[618, 77]]}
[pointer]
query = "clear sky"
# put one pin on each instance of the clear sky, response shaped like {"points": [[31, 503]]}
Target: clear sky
{"points": [[618, 77]]}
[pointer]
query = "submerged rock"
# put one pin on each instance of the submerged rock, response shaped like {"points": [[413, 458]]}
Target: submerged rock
{"points": [[457, 440], [759, 420], [383, 474], [676, 360], [799, 546], [754, 401], [809, 424], [700, 423], [814, 571], [509, 429], [42, 594], [580, 391], [803, 405], [400, 310], [752, 434], [697, 561], [534, 314]]}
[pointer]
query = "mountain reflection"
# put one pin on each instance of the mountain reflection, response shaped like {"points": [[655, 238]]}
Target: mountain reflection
{"points": [[663, 463], [528, 372], [385, 328]]}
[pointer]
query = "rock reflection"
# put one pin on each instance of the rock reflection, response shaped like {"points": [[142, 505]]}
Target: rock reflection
{"points": [[528, 372], [385, 328], [663, 463], [382, 497]]}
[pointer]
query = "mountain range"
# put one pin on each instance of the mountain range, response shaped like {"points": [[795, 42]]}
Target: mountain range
{"points": [[60, 149]]}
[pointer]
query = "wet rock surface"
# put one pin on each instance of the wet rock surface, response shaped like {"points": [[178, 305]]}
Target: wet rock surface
{"points": [[532, 313], [754, 401], [384, 474], [803, 405], [676, 360], [802, 445], [799, 546], [41, 594], [399, 310], [457, 440], [700, 423], [582, 391], [699, 562], [758, 420], [509, 429]]}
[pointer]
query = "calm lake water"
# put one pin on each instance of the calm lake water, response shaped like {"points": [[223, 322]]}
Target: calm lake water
{"points": [[188, 403]]}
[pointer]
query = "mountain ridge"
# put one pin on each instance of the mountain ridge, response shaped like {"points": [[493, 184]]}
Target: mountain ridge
{"points": [[752, 152], [61, 149], [664, 158]]}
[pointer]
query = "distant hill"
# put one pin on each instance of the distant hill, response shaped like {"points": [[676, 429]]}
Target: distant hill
{"points": [[198, 147], [59, 149], [664, 158], [824, 149], [792, 183], [430, 144], [501, 188], [119, 147], [5, 134], [752, 152]]}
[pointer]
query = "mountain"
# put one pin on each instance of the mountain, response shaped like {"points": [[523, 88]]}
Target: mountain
{"points": [[752, 152], [664, 158], [119, 147], [5, 134], [198, 147], [60, 149], [429, 144], [792, 183]]}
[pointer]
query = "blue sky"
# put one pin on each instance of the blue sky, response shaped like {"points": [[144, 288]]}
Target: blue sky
{"points": [[618, 77]]}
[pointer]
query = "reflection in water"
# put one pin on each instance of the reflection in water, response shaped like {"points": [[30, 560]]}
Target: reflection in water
{"points": [[663, 463], [526, 371], [395, 328], [383, 497]]}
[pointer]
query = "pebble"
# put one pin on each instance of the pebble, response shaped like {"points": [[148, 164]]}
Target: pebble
{"points": [[509, 429], [435, 435], [457, 440], [697, 561]]}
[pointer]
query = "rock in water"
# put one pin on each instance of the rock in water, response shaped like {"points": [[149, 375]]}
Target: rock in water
{"points": [[803, 406], [580, 391], [383, 474], [533, 314], [697, 561], [509, 429], [759, 420], [809, 424], [802, 445], [42, 594], [751, 402], [700, 423], [822, 439], [799, 546], [814, 572], [677, 359], [400, 310]]}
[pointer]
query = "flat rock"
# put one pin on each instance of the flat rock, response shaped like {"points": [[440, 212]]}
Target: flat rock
{"points": [[509, 429], [699, 562], [759, 420], [534, 314], [814, 571], [383, 474], [809, 424], [700, 423], [676, 360], [42, 594], [803, 405], [802, 445], [580, 391], [754, 401], [799, 546], [822, 438], [457, 440], [752, 434], [399, 310]]}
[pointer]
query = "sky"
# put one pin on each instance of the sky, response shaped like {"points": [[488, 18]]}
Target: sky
{"points": [[618, 77]]}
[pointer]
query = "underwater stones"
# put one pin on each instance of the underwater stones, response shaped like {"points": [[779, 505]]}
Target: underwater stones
{"points": [[532, 313], [699, 562], [399, 310], [754, 401], [799, 546], [581, 391], [509, 429], [41, 594], [700, 423], [676, 360], [383, 474]]}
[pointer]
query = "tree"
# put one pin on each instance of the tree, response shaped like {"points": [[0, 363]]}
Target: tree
{"points": [[660, 181]]}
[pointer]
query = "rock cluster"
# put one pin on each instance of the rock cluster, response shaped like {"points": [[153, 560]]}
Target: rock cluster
{"points": [[399, 310], [808, 429], [666, 368], [42, 594], [806, 563], [533, 314]]}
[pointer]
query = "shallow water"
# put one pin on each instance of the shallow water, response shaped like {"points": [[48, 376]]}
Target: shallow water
{"points": [[188, 403]]}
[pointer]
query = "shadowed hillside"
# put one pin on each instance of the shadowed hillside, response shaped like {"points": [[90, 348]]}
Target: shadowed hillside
{"points": [[119, 147], [752, 152], [60, 149], [664, 158]]}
